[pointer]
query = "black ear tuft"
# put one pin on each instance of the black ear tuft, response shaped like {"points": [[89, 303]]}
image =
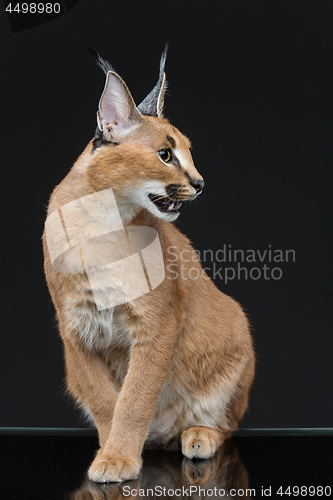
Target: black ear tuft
{"points": [[102, 63]]}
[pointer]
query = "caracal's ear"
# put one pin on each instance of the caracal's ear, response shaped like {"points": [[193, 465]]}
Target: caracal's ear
{"points": [[117, 114], [153, 104]]}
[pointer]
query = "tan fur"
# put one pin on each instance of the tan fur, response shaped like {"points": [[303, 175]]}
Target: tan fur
{"points": [[177, 358]]}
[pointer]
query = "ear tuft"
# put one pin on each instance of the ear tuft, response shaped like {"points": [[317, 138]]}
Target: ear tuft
{"points": [[153, 104], [101, 63]]}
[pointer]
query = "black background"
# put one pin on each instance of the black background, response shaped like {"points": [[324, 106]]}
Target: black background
{"points": [[251, 84]]}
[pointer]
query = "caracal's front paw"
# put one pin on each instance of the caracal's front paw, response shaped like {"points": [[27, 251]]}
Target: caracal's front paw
{"points": [[200, 442], [108, 468]]}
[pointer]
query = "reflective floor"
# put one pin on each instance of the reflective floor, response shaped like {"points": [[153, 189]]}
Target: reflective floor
{"points": [[54, 467]]}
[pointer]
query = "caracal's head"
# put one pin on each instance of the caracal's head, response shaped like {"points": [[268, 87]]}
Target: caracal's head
{"points": [[138, 153]]}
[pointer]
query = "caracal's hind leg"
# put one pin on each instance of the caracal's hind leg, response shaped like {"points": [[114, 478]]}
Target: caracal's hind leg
{"points": [[202, 442]]}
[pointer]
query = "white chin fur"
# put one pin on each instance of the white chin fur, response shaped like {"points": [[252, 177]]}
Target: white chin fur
{"points": [[164, 216]]}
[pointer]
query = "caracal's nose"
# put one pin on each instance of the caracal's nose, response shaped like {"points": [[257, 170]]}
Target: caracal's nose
{"points": [[198, 185]]}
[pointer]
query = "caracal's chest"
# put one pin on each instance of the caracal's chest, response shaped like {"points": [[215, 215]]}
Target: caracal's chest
{"points": [[107, 333]]}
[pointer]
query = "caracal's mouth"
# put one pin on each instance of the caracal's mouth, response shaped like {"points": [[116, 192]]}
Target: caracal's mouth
{"points": [[165, 204]]}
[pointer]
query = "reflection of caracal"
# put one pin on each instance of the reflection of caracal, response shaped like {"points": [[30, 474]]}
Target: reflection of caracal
{"points": [[176, 364], [169, 475]]}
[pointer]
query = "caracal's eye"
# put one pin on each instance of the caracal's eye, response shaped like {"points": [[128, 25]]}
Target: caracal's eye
{"points": [[165, 155]]}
